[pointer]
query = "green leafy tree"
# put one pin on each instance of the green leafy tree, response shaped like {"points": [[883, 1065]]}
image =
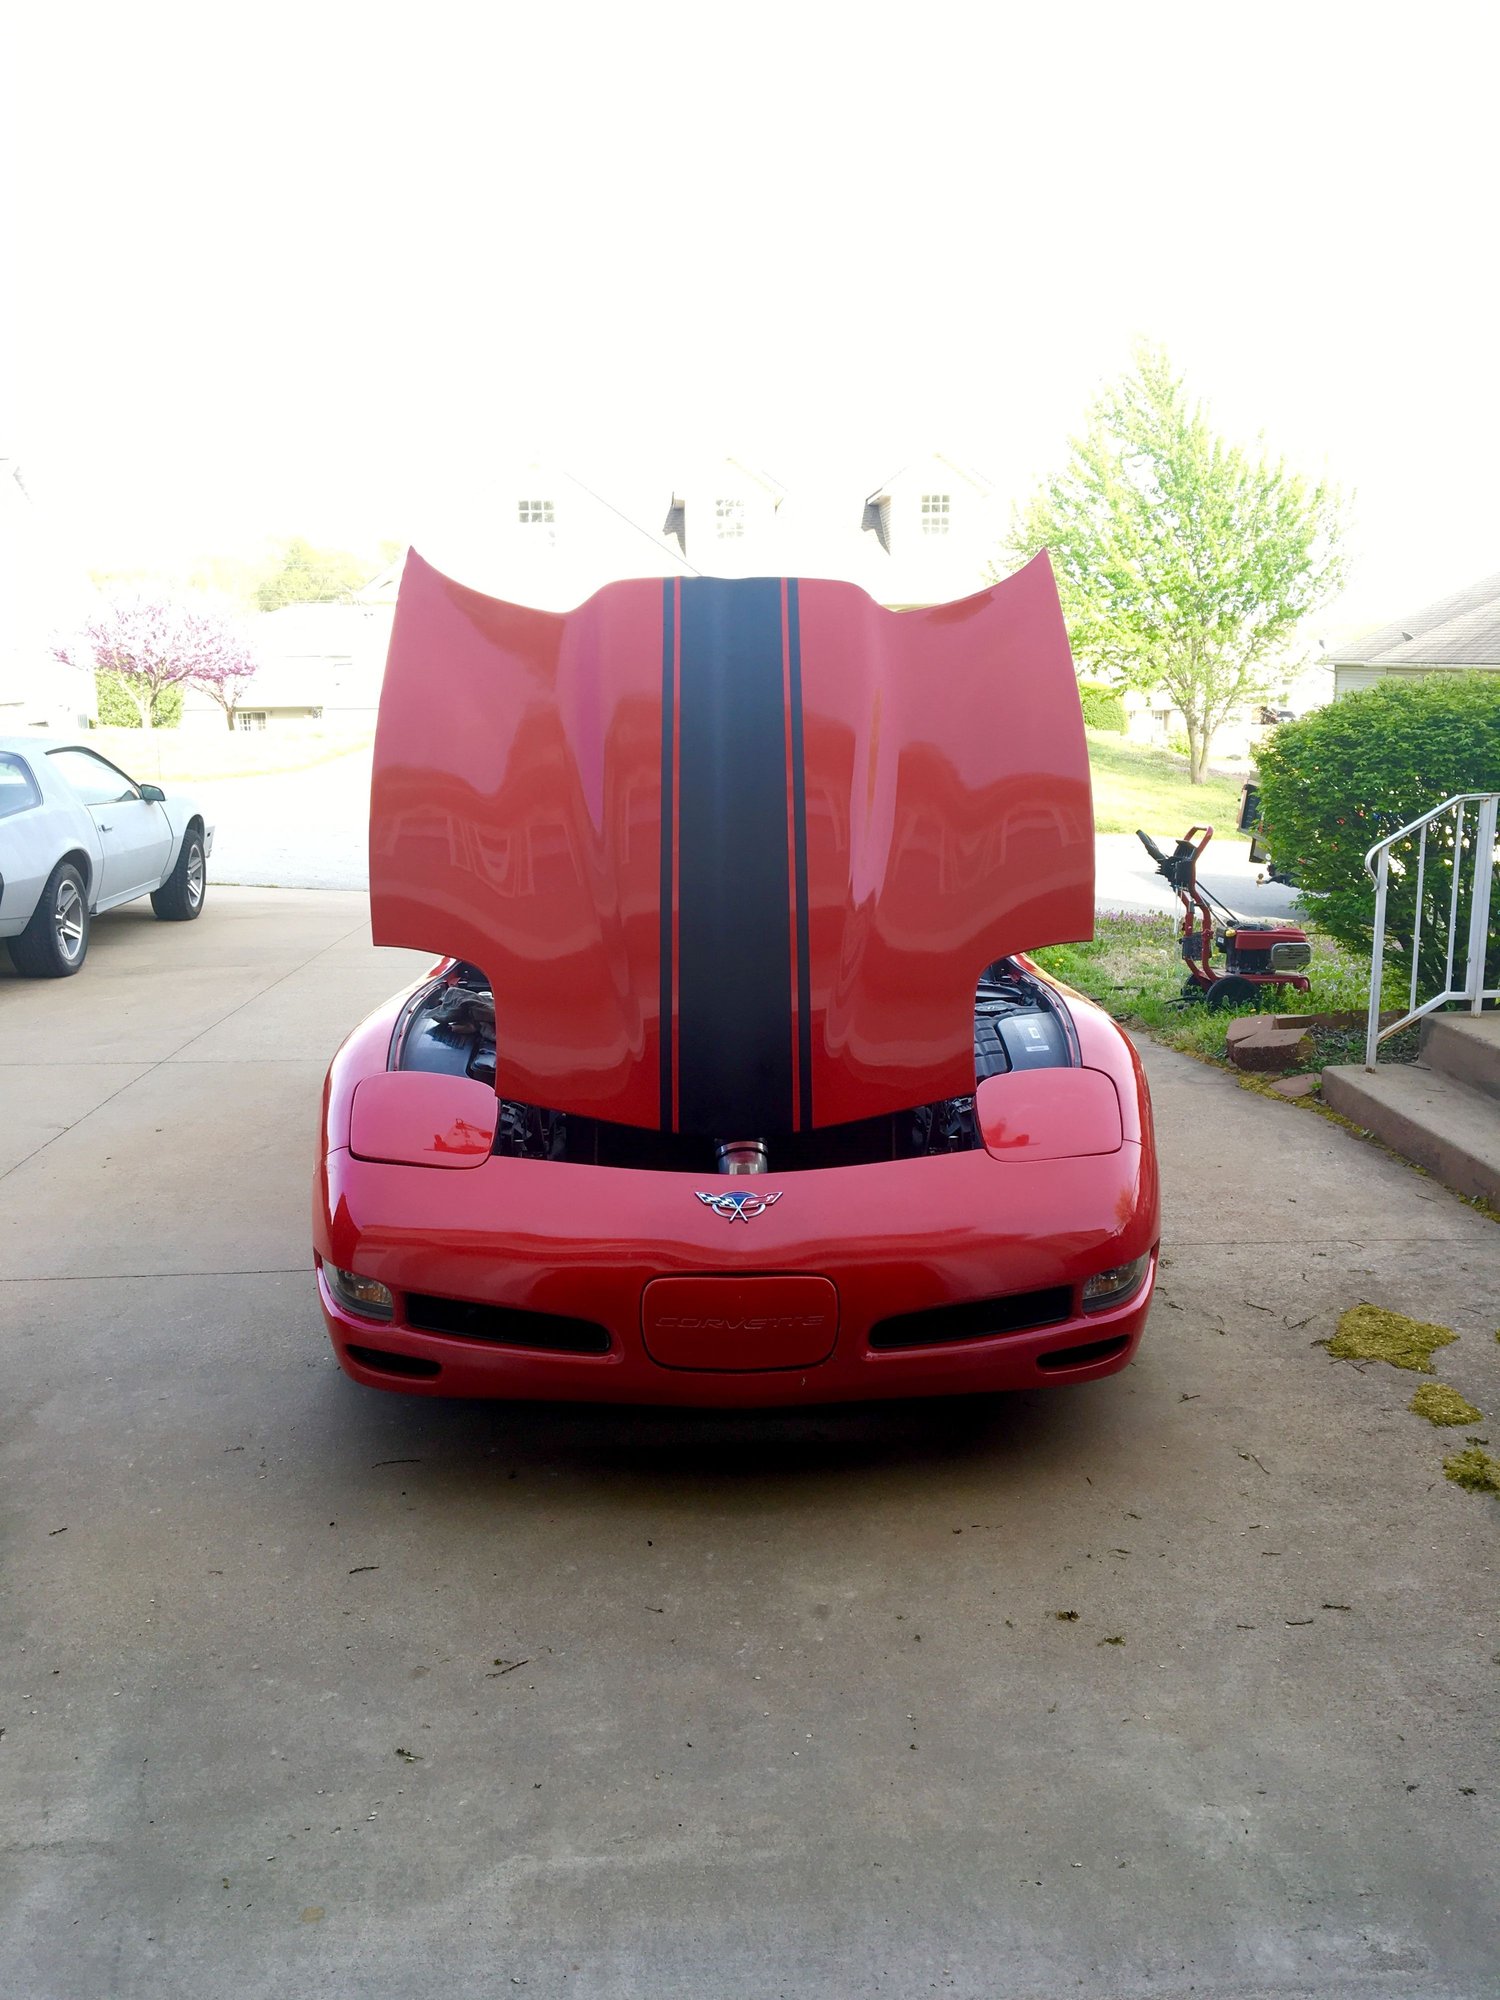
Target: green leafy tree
{"points": [[307, 575], [1352, 773], [1182, 561]]}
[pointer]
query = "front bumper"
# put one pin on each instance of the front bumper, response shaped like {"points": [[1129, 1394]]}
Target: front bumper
{"points": [[898, 1238]]}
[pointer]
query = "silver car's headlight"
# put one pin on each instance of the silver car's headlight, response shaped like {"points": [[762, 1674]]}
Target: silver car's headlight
{"points": [[365, 1296], [1114, 1286]]}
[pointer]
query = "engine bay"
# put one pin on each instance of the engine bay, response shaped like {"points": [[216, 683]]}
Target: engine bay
{"points": [[448, 1027]]}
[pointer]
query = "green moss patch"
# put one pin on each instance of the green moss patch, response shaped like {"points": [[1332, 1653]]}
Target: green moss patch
{"points": [[1370, 1333], [1474, 1470], [1441, 1405]]}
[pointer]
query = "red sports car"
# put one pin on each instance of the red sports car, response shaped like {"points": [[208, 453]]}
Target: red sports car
{"points": [[732, 1085]]}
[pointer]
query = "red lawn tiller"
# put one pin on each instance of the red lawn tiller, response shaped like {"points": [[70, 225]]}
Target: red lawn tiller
{"points": [[1256, 955]]}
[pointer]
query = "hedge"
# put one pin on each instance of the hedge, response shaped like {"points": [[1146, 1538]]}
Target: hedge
{"points": [[1102, 706], [1349, 774]]}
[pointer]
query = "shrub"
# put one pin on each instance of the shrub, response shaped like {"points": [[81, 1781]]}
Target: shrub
{"points": [[1341, 779], [1103, 707], [117, 708]]}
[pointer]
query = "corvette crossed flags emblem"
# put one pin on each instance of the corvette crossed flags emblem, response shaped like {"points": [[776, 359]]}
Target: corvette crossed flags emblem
{"points": [[738, 1207]]}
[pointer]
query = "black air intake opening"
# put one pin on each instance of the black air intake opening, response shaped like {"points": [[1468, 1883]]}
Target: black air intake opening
{"points": [[505, 1326], [1087, 1356], [381, 1361], [975, 1319]]}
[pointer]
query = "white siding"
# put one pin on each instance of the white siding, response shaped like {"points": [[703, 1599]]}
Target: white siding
{"points": [[1348, 679]]}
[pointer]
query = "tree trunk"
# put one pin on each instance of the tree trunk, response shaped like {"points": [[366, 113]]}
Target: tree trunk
{"points": [[229, 715], [1197, 738], [144, 709]]}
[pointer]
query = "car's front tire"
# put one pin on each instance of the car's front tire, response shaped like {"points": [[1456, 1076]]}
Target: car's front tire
{"points": [[56, 941], [180, 897]]}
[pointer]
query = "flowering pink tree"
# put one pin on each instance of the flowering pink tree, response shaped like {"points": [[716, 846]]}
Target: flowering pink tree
{"points": [[153, 644], [225, 671]]}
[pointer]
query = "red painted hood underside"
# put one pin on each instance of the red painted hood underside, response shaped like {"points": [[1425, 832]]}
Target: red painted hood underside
{"points": [[732, 853]]}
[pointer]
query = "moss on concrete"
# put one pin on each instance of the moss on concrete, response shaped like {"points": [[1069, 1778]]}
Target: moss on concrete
{"points": [[1370, 1333], [1441, 1405], [1474, 1470]]}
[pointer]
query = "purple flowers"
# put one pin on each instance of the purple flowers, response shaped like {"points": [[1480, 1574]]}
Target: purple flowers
{"points": [[155, 643]]}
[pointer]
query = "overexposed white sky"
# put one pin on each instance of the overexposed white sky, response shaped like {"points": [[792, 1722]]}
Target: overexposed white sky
{"points": [[313, 268]]}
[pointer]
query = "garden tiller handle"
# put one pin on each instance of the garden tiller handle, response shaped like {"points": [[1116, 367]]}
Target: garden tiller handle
{"points": [[1151, 847]]}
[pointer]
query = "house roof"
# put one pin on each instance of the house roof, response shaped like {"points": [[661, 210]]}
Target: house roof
{"points": [[383, 586], [971, 474], [1462, 630], [695, 478]]}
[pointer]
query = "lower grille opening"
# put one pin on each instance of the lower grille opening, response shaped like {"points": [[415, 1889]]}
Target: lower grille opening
{"points": [[381, 1361], [1083, 1357], [505, 1326], [975, 1319]]}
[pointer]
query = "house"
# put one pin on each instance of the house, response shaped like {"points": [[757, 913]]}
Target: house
{"points": [[1296, 688], [546, 536], [551, 538], [320, 667], [1458, 632], [937, 524], [726, 520]]}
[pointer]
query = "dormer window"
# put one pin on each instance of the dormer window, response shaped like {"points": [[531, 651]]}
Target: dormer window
{"points": [[535, 513], [935, 508], [729, 520]]}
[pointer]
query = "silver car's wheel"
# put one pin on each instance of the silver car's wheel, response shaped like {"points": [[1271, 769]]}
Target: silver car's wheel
{"points": [[68, 918], [180, 897], [56, 941]]}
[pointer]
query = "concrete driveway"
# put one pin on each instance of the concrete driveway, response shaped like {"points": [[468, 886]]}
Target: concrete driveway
{"points": [[312, 1690]]}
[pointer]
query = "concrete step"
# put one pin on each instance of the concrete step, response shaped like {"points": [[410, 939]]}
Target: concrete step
{"points": [[1466, 1047], [1427, 1116]]}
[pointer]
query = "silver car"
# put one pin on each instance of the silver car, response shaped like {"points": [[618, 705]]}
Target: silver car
{"points": [[78, 836]]}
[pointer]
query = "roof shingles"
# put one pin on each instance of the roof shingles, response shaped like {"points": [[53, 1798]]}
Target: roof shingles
{"points": [[1462, 630]]}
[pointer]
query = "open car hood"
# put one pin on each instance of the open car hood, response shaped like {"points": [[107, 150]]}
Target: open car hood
{"points": [[731, 853]]}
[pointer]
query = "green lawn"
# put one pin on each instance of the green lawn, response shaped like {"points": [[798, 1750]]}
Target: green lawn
{"points": [[1132, 969], [1135, 786]]}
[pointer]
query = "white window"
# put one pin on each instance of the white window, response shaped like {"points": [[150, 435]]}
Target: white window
{"points": [[96, 781], [535, 513], [729, 520], [935, 513], [250, 718], [18, 788]]}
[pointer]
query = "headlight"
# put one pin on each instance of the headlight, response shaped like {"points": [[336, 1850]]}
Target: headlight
{"points": [[1114, 1286], [365, 1296]]}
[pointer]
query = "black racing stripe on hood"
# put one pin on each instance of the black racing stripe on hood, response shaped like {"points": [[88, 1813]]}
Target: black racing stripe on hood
{"points": [[734, 1015], [668, 815], [799, 823]]}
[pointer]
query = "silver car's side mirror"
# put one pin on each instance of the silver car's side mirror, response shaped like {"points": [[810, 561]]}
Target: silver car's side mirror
{"points": [[154, 793]]}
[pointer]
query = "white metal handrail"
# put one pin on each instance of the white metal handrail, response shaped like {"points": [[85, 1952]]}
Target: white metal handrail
{"points": [[1486, 811]]}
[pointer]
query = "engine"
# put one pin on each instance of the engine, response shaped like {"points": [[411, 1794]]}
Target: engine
{"points": [[1019, 1023]]}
